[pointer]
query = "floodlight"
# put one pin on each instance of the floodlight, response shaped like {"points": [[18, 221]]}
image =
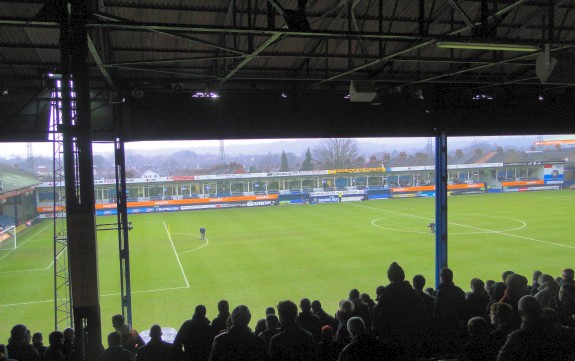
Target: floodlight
{"points": [[485, 46]]}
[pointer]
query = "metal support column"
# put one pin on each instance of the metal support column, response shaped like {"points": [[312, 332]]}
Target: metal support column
{"points": [[80, 200], [440, 203], [123, 229]]}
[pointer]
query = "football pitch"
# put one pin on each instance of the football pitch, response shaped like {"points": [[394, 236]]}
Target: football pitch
{"points": [[259, 256]]}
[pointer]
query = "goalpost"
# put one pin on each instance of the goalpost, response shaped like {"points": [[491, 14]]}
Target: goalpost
{"points": [[8, 238]]}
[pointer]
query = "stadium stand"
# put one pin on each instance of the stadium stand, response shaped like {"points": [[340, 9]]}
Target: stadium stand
{"points": [[399, 329]]}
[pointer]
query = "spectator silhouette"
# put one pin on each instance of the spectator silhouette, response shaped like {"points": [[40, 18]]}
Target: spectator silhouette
{"points": [[430, 291], [270, 311], [497, 292], [363, 346], [115, 350], [488, 288], [379, 292], [478, 346], [4, 353], [155, 349], [548, 294], [69, 348], [428, 301], [131, 339], [360, 309], [506, 274], [328, 349], [292, 343], [308, 321], [567, 305], [219, 323], [400, 313], [37, 342], [535, 283], [537, 339], [477, 299], [324, 317], [449, 313], [196, 337], [364, 297], [344, 313], [272, 329], [239, 343], [502, 319], [567, 277], [18, 346], [56, 350], [516, 288], [260, 326]]}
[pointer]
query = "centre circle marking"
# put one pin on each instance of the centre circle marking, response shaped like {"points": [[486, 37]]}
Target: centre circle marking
{"points": [[480, 230]]}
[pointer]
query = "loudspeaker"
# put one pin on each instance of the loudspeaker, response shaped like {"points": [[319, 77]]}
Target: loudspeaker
{"points": [[559, 68], [362, 91]]}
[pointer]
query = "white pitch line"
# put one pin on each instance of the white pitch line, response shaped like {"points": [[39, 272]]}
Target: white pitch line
{"points": [[177, 257], [52, 263], [197, 248], [26, 303], [26, 241], [478, 228], [106, 295], [148, 291], [25, 270]]}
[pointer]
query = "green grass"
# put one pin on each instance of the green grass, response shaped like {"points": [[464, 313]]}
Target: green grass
{"points": [[258, 256]]}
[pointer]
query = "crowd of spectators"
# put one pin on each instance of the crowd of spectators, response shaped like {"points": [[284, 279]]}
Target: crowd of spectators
{"points": [[495, 320]]}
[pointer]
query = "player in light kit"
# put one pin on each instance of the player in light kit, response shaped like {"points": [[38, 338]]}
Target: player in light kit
{"points": [[431, 227]]}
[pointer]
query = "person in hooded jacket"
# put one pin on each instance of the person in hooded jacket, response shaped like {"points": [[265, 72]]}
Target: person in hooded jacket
{"points": [[401, 313], [548, 292]]}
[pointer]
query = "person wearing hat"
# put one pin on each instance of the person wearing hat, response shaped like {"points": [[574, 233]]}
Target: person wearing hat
{"points": [[328, 348], [400, 314], [239, 342]]}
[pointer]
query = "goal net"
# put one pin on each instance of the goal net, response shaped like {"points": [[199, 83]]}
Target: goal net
{"points": [[8, 238]]}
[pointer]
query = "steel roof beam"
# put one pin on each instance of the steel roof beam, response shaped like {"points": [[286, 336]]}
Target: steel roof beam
{"points": [[262, 11], [420, 45], [165, 31], [99, 63], [27, 22], [454, 4]]}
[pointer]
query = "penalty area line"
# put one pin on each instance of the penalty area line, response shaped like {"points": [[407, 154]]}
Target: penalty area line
{"points": [[177, 257], [106, 295]]}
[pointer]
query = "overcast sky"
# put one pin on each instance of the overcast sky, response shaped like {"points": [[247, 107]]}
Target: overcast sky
{"points": [[9, 150]]}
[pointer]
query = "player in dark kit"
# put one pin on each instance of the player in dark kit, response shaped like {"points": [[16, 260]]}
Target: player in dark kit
{"points": [[431, 227], [202, 233]]}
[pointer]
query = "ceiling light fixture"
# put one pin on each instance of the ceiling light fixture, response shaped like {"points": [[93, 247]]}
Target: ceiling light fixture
{"points": [[485, 46], [206, 94]]}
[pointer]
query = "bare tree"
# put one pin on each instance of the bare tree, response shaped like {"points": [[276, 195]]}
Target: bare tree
{"points": [[335, 153]]}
